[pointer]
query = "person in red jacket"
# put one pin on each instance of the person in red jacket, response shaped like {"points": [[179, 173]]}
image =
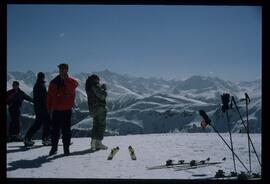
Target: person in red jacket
{"points": [[60, 100]]}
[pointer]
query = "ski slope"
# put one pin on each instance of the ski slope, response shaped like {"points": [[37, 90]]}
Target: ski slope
{"points": [[150, 150]]}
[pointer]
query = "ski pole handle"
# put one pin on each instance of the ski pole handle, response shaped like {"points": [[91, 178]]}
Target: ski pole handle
{"points": [[247, 98]]}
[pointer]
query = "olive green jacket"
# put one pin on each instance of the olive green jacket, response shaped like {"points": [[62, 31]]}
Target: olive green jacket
{"points": [[96, 96]]}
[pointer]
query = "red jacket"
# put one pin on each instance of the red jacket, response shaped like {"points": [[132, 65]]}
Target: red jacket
{"points": [[61, 93]]}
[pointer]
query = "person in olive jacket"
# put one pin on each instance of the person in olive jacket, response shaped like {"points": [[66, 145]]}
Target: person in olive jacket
{"points": [[15, 97], [41, 111], [96, 96]]}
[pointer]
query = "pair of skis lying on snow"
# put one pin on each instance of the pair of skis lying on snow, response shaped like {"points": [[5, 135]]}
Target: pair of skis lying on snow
{"points": [[116, 149], [182, 165], [221, 175]]}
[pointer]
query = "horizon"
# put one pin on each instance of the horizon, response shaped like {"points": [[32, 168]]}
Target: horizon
{"points": [[167, 41], [132, 76]]}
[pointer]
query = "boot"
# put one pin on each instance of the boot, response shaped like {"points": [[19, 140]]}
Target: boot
{"points": [[93, 145], [66, 150], [46, 142], [28, 142], [101, 146], [53, 151]]}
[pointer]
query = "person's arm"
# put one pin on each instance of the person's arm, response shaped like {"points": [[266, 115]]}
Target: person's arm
{"points": [[27, 97], [50, 96], [99, 92]]}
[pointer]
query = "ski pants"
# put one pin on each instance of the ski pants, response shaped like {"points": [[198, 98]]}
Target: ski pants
{"points": [[14, 125], [61, 120], [99, 122], [42, 118]]}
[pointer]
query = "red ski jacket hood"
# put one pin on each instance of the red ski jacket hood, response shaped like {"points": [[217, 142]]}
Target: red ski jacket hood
{"points": [[61, 93]]}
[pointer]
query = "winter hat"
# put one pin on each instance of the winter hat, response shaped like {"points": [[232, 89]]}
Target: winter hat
{"points": [[63, 65], [15, 83], [94, 77], [40, 75]]}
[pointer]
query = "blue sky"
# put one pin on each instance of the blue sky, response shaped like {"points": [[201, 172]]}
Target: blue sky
{"points": [[139, 40]]}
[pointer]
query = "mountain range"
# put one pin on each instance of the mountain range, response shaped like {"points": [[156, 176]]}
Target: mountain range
{"points": [[138, 105]]}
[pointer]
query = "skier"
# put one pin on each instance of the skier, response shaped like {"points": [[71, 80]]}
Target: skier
{"points": [[96, 96], [15, 97], [42, 115], [60, 100]]}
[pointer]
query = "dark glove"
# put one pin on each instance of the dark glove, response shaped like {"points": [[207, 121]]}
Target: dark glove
{"points": [[103, 86]]}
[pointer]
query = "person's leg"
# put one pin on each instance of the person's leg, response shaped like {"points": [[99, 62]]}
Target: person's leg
{"points": [[101, 124], [95, 127], [14, 126], [94, 132], [56, 121], [101, 127], [34, 128], [46, 126], [66, 131]]}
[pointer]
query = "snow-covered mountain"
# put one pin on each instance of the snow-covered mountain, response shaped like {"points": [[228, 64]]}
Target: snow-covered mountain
{"points": [[152, 105], [150, 150]]}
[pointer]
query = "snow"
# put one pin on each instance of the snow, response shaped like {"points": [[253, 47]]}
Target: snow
{"points": [[150, 149]]}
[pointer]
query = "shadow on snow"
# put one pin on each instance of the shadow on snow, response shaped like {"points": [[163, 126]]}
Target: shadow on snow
{"points": [[35, 163]]}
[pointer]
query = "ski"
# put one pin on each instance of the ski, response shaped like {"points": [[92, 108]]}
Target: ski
{"points": [[221, 175], [113, 152], [195, 165], [132, 153], [170, 164]]}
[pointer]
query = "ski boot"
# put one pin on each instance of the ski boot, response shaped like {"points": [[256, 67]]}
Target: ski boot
{"points": [[46, 142], [101, 146], [93, 145], [28, 142], [53, 151]]}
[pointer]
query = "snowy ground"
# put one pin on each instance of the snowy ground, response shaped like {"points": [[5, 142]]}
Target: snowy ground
{"points": [[151, 149]]}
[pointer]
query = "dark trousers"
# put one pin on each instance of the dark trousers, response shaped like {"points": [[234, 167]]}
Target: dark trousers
{"points": [[14, 125], [61, 120], [42, 118]]}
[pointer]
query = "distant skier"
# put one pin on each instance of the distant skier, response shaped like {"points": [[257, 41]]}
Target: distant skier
{"points": [[41, 111], [96, 94], [15, 97], [60, 100]]}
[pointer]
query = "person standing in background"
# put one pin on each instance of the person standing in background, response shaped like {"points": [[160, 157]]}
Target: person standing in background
{"points": [[41, 111], [15, 97]]}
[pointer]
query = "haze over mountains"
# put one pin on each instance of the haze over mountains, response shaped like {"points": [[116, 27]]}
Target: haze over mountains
{"points": [[139, 105]]}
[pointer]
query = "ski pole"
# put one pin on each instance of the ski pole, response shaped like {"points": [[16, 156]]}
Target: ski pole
{"points": [[246, 130], [208, 121], [247, 98], [225, 98], [229, 127]]}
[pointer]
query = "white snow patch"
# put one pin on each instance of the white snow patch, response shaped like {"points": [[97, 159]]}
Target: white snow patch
{"points": [[151, 149]]}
